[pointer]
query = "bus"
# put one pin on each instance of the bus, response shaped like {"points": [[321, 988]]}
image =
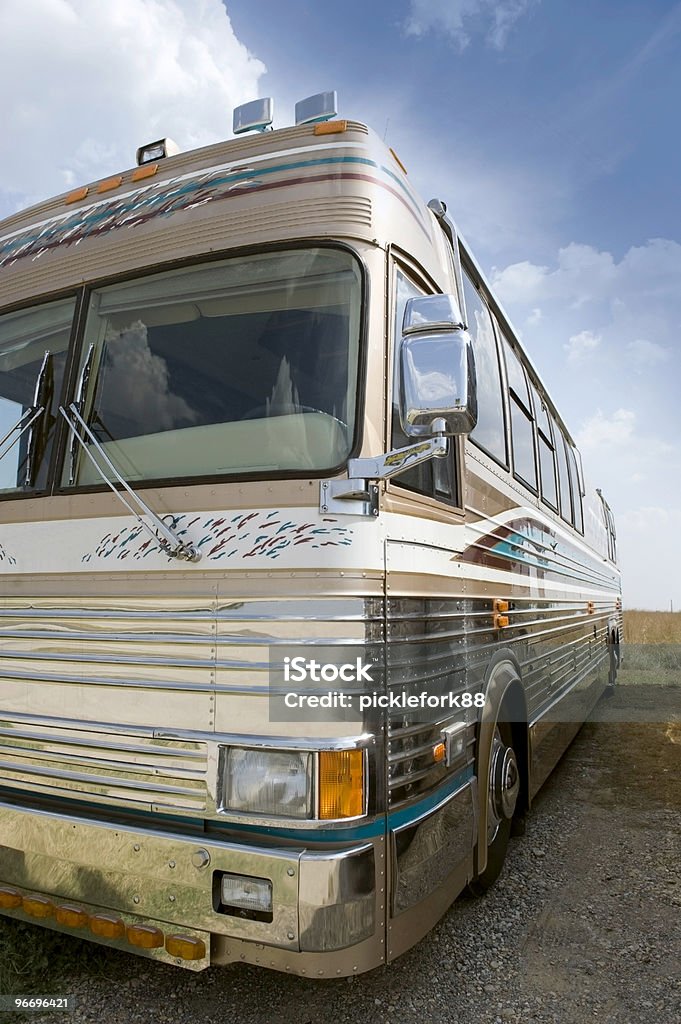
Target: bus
{"points": [[304, 593]]}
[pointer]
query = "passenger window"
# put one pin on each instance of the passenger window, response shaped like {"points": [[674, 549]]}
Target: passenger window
{"points": [[522, 428], [563, 475], [490, 431], [576, 494], [547, 457], [435, 478]]}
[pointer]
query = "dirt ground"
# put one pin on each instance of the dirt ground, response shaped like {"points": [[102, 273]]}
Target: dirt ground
{"points": [[584, 924]]}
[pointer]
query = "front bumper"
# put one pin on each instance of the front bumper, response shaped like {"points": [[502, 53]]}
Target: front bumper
{"points": [[322, 901]]}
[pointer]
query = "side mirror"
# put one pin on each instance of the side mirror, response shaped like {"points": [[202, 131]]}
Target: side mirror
{"points": [[437, 368]]}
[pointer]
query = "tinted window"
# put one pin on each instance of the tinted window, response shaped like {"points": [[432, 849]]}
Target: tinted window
{"points": [[547, 462], [565, 496], [490, 431], [29, 381], [522, 426], [576, 495]]}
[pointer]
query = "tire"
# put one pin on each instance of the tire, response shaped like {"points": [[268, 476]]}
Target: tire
{"points": [[614, 663], [503, 787]]}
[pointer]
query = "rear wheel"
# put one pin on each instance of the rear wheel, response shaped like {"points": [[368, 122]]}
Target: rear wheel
{"points": [[503, 788]]}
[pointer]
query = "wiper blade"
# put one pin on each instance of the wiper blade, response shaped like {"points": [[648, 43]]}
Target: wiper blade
{"points": [[80, 406], [165, 537], [27, 418], [44, 391]]}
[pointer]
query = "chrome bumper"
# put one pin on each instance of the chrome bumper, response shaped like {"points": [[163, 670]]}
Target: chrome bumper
{"points": [[321, 901]]}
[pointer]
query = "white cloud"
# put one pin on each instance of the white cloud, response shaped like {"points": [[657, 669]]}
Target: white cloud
{"points": [[580, 345], [87, 83], [647, 353], [462, 19], [535, 316], [651, 565], [602, 430]]}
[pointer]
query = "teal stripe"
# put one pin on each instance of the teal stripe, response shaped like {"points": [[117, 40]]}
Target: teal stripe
{"points": [[200, 826]]}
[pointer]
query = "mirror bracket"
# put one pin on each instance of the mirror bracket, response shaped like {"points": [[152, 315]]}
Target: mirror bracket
{"points": [[358, 495]]}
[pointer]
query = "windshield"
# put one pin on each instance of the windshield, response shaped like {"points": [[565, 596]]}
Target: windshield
{"points": [[248, 365], [25, 384]]}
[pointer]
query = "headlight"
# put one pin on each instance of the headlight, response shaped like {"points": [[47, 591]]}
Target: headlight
{"points": [[320, 785], [274, 782]]}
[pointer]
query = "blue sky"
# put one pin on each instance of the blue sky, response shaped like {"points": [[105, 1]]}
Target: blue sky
{"points": [[550, 129]]}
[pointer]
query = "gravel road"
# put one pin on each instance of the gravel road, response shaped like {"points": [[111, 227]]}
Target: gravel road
{"points": [[584, 924]]}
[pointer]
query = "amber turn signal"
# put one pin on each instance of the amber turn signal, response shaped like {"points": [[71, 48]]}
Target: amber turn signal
{"points": [[107, 926], [144, 936], [185, 947]]}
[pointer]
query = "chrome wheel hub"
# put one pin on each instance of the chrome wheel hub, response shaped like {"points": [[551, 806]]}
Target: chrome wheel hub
{"points": [[503, 786]]}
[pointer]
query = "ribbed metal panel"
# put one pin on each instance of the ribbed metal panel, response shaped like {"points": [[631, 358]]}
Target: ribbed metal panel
{"points": [[119, 700]]}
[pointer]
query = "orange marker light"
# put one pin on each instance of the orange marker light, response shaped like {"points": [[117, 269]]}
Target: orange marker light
{"points": [[330, 128], [500, 621], [500, 605], [341, 783], [439, 752], [71, 917], [10, 898], [186, 947], [38, 906], [77, 194], [106, 186], [145, 171], [144, 936], [106, 926]]}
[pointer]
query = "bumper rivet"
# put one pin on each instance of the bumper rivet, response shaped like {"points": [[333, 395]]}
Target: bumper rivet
{"points": [[290, 871], [290, 935], [201, 858]]}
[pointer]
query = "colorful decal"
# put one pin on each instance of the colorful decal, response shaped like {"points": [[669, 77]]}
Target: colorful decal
{"points": [[6, 557], [528, 547], [400, 457], [178, 194], [244, 535]]}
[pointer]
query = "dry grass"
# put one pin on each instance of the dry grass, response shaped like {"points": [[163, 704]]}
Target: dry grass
{"points": [[642, 627], [652, 648]]}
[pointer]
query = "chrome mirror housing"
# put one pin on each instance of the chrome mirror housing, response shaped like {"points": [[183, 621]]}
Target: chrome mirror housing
{"points": [[437, 369]]}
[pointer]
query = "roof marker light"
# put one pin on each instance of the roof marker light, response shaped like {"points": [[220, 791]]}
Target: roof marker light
{"points": [[330, 128], [320, 107], [77, 194], [256, 116], [157, 150]]}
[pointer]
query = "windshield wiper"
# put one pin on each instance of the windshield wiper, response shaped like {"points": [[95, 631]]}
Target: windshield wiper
{"points": [[165, 537], [80, 405], [44, 391], [27, 418]]}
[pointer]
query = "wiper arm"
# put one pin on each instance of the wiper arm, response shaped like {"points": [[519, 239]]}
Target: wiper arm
{"points": [[164, 536], [80, 405], [27, 418], [42, 400]]}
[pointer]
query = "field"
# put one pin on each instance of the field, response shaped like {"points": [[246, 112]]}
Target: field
{"points": [[652, 648]]}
